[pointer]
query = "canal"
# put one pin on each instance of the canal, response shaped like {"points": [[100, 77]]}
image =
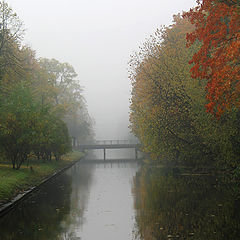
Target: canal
{"points": [[125, 201]]}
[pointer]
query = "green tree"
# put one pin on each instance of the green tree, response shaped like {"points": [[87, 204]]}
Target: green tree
{"points": [[53, 138], [19, 115], [59, 84], [37, 97], [62, 78]]}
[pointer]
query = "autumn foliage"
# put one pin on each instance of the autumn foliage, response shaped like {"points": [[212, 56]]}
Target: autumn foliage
{"points": [[217, 27], [167, 111], [162, 94]]}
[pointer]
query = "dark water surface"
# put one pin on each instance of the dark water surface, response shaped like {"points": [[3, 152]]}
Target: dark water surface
{"points": [[123, 201], [175, 205]]}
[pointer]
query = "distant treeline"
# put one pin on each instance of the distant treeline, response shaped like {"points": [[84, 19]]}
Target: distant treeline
{"points": [[185, 88], [41, 102]]}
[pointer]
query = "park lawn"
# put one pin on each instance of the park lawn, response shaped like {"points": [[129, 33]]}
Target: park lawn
{"points": [[13, 181]]}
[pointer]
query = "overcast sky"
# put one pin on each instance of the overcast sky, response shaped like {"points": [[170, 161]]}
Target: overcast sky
{"points": [[97, 38]]}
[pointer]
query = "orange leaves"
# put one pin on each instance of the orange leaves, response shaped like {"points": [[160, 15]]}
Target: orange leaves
{"points": [[217, 28]]}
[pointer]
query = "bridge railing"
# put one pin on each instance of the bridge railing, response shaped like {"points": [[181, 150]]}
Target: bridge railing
{"points": [[110, 142]]}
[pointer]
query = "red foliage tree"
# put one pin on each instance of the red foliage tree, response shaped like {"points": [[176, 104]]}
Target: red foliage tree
{"points": [[217, 27]]}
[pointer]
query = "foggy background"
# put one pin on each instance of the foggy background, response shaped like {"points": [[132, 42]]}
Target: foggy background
{"points": [[97, 38]]}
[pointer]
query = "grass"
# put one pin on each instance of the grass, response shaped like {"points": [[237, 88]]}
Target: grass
{"points": [[13, 181]]}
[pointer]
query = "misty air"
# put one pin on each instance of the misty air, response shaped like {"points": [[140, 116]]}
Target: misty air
{"points": [[119, 120]]}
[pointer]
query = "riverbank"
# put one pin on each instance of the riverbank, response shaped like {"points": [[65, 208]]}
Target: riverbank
{"points": [[14, 182]]}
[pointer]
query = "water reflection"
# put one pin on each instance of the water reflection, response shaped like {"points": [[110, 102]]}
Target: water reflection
{"points": [[40, 216], [81, 177], [174, 206], [110, 213], [114, 154]]}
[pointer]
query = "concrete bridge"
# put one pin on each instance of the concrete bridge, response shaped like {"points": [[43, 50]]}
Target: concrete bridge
{"points": [[109, 144]]}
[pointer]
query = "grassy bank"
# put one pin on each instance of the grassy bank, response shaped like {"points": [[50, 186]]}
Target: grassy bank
{"points": [[13, 182]]}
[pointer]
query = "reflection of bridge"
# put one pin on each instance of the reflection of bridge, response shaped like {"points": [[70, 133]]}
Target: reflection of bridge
{"points": [[109, 144]]}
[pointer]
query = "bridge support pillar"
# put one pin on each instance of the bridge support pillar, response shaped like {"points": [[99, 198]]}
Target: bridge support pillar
{"points": [[136, 153], [73, 141], [104, 153]]}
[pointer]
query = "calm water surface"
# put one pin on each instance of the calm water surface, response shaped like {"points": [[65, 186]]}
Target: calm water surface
{"points": [[172, 204], [123, 201], [89, 201]]}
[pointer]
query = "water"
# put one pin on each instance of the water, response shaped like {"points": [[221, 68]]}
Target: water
{"points": [[124, 201], [175, 205], [89, 201]]}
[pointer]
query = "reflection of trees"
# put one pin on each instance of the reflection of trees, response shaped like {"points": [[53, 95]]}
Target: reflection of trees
{"points": [[185, 207], [81, 181], [39, 216], [51, 213]]}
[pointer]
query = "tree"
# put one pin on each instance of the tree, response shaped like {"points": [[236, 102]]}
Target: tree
{"points": [[80, 125], [62, 141], [36, 97], [217, 28], [26, 126], [19, 115], [167, 108], [60, 85], [11, 32], [62, 79], [162, 97], [53, 138]]}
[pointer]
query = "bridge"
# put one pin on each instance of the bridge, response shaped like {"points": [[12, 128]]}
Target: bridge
{"points": [[108, 144]]}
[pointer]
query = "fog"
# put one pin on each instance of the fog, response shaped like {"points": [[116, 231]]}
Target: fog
{"points": [[97, 39]]}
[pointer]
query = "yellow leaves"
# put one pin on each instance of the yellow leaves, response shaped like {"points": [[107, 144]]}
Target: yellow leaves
{"points": [[162, 91]]}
